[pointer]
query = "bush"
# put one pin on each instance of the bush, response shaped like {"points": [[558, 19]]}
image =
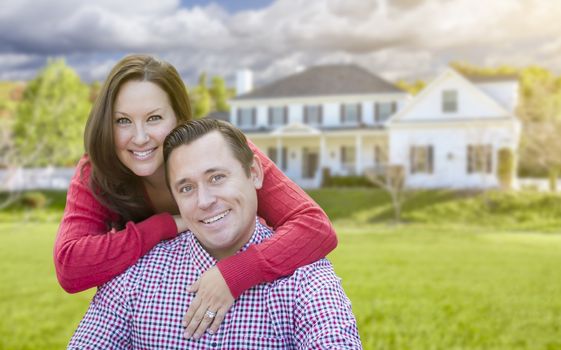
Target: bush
{"points": [[34, 200], [347, 181]]}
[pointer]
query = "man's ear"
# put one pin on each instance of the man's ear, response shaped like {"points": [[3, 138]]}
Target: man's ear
{"points": [[256, 172]]}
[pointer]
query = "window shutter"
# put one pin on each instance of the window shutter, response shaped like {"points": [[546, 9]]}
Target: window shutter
{"points": [[284, 158], [342, 114], [305, 114], [412, 159], [270, 115], [359, 109], [489, 153], [320, 107], [254, 116], [394, 107], [376, 112], [431, 159], [285, 116], [343, 154], [239, 117], [469, 159]]}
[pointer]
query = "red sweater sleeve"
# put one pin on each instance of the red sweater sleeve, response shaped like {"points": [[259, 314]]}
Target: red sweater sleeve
{"points": [[85, 253], [302, 233]]}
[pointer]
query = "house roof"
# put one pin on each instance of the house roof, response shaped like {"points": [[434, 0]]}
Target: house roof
{"points": [[323, 81], [491, 79]]}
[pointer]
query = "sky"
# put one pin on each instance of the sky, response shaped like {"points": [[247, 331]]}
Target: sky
{"points": [[396, 39]]}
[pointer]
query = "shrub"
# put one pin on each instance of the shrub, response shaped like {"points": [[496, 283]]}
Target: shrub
{"points": [[347, 181], [506, 167], [34, 200]]}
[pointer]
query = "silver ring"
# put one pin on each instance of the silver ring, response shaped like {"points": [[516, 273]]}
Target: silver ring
{"points": [[210, 314]]}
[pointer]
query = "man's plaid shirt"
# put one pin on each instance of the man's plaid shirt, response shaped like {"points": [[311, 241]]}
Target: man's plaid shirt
{"points": [[143, 307]]}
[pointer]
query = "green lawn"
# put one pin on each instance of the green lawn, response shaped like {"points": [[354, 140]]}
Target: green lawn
{"points": [[435, 283]]}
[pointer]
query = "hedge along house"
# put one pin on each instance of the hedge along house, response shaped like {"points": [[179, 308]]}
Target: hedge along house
{"points": [[347, 120]]}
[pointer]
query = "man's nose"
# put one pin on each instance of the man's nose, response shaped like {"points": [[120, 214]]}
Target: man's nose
{"points": [[205, 197]]}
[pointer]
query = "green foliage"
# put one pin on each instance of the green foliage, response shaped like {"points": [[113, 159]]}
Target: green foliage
{"points": [[51, 117], [200, 98], [412, 88], [506, 167], [220, 94], [34, 200], [347, 181]]}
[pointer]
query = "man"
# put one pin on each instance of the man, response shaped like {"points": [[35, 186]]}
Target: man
{"points": [[213, 176]]}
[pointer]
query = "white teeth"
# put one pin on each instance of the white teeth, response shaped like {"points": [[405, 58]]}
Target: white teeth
{"points": [[216, 218], [143, 154]]}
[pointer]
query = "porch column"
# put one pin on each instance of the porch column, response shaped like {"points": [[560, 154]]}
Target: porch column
{"points": [[358, 154], [322, 152], [279, 155]]}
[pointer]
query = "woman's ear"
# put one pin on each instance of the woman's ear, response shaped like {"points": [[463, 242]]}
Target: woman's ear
{"points": [[256, 172]]}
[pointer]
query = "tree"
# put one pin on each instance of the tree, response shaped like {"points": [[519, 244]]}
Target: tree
{"points": [[390, 178], [219, 94], [51, 116], [201, 98]]}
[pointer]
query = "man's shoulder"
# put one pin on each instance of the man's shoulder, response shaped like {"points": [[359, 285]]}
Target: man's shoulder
{"points": [[310, 277], [153, 263]]}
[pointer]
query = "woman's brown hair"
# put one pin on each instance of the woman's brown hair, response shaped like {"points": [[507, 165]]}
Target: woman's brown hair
{"points": [[113, 184]]}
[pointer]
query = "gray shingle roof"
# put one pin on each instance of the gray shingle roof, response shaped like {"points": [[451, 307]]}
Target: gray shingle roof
{"points": [[324, 81]]}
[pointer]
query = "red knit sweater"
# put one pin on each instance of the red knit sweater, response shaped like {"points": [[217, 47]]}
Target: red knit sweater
{"points": [[86, 255]]}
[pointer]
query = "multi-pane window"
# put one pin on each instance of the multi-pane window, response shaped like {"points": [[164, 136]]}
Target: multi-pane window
{"points": [[479, 159], [449, 101], [273, 155], [351, 113], [383, 110], [246, 117], [421, 159], [313, 115], [278, 116]]}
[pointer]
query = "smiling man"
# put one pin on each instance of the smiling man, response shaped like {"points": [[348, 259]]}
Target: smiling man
{"points": [[213, 176]]}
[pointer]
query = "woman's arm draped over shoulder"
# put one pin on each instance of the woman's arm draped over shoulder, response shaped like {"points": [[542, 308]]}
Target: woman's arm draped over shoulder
{"points": [[302, 233], [86, 254]]}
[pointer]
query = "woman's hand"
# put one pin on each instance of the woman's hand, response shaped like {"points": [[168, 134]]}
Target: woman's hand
{"points": [[181, 225], [210, 305]]}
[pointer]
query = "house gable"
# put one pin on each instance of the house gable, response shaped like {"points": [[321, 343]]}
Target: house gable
{"points": [[473, 104]]}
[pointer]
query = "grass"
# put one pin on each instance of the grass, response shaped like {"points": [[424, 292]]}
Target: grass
{"points": [[433, 283]]}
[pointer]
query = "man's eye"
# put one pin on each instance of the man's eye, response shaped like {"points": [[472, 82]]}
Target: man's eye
{"points": [[216, 178], [154, 117], [122, 121], [185, 189]]}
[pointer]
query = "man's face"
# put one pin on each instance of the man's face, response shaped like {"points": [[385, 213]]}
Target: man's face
{"points": [[215, 196]]}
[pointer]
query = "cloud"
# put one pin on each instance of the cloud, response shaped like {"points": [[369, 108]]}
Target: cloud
{"points": [[399, 38]]}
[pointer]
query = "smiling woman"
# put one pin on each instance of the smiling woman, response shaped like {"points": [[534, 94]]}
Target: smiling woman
{"points": [[119, 207]]}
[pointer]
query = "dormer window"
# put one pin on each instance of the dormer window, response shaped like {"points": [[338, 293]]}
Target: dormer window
{"points": [[278, 116], [351, 113], [313, 115], [449, 101]]}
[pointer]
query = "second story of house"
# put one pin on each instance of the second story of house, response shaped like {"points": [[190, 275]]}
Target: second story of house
{"points": [[328, 97]]}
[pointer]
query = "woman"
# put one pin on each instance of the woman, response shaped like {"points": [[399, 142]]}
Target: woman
{"points": [[118, 206]]}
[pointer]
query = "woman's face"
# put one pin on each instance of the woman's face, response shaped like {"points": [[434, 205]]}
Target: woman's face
{"points": [[142, 118]]}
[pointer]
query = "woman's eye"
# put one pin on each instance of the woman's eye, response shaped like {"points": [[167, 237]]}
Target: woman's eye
{"points": [[185, 189], [122, 121], [154, 118]]}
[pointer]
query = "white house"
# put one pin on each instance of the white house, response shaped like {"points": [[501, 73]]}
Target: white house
{"points": [[348, 120], [451, 133]]}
